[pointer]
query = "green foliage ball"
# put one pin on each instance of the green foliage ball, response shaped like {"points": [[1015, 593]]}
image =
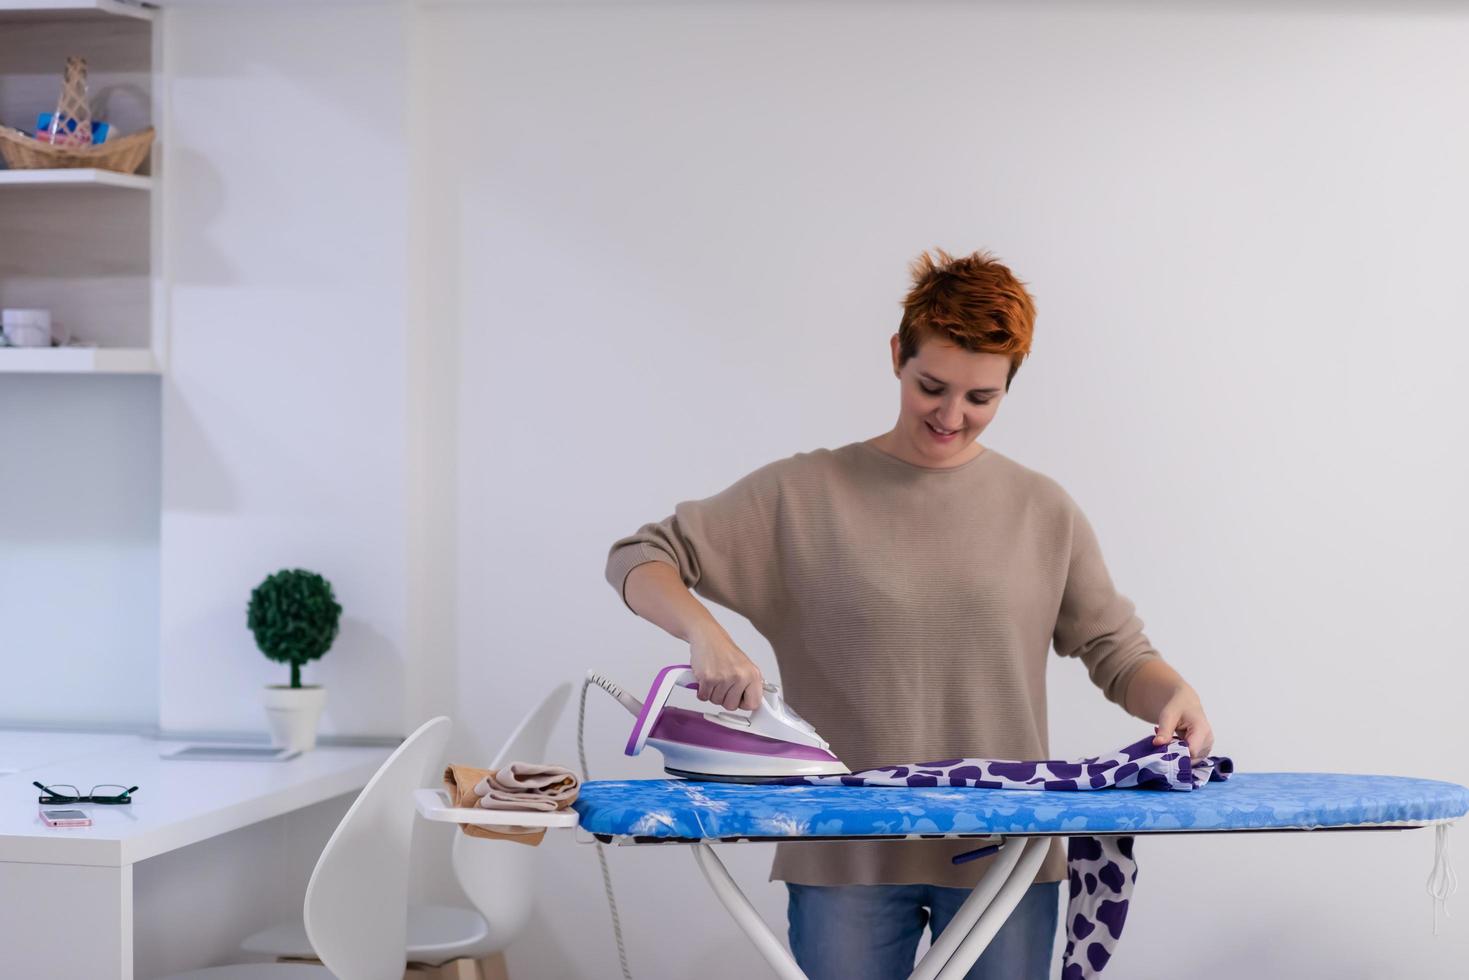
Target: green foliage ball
{"points": [[295, 617]]}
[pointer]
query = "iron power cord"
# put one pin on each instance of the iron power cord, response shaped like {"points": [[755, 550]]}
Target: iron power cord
{"points": [[581, 751]]}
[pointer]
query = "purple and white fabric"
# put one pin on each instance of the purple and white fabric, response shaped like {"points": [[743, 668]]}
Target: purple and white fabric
{"points": [[1100, 870]]}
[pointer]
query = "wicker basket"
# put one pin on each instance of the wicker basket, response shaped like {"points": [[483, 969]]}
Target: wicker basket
{"points": [[124, 154]]}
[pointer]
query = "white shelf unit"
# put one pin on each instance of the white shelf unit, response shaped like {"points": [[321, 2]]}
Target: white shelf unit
{"points": [[83, 242]]}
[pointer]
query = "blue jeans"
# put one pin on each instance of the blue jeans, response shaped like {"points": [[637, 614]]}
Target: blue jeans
{"points": [[871, 932]]}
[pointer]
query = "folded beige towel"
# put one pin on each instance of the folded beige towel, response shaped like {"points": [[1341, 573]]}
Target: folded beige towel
{"points": [[517, 786]]}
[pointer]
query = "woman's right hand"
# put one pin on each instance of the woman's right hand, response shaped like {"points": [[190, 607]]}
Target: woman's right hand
{"points": [[725, 674]]}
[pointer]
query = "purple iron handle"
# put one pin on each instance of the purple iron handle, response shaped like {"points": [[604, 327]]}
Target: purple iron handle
{"points": [[663, 684]]}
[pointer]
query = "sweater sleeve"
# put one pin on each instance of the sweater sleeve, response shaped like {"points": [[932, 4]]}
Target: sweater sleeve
{"points": [[1096, 622], [723, 547]]}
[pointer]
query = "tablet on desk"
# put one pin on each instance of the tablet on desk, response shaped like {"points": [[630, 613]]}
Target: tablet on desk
{"points": [[234, 753]]}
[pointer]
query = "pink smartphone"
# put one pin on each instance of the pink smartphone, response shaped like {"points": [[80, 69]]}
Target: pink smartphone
{"points": [[66, 818]]}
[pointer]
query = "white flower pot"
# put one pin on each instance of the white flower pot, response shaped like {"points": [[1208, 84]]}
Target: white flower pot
{"points": [[294, 713]]}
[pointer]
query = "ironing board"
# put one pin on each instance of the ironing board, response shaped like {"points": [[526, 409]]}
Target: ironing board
{"points": [[675, 811]]}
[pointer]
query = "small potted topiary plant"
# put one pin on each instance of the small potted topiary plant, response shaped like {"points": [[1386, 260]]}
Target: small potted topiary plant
{"points": [[295, 618]]}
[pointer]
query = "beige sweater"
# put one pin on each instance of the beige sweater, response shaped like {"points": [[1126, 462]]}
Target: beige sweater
{"points": [[910, 611]]}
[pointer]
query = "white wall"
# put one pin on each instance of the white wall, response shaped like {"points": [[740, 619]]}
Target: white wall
{"points": [[285, 405], [286, 417], [671, 247], [79, 550]]}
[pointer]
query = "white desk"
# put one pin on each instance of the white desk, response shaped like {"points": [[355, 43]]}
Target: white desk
{"points": [[66, 894]]}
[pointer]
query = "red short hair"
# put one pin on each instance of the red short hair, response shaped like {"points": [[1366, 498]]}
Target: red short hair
{"points": [[973, 302]]}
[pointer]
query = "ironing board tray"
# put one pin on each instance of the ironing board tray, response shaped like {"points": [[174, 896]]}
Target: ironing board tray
{"points": [[434, 804], [647, 811]]}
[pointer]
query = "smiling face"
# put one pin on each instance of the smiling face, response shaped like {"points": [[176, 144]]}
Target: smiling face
{"points": [[948, 396]]}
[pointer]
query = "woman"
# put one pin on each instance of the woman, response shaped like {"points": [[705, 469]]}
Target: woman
{"points": [[910, 586]]}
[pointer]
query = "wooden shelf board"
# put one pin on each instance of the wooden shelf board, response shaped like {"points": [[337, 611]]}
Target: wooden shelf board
{"points": [[20, 10], [74, 177], [78, 360]]}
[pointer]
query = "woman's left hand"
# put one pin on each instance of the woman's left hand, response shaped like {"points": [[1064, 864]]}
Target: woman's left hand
{"points": [[1183, 714]]}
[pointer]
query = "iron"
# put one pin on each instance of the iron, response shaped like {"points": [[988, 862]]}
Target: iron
{"points": [[757, 746]]}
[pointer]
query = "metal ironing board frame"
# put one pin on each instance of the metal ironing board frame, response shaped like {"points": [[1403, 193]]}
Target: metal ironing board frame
{"points": [[973, 926], [957, 948]]}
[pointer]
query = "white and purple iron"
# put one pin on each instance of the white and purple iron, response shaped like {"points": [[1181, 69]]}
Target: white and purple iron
{"points": [[747, 747]]}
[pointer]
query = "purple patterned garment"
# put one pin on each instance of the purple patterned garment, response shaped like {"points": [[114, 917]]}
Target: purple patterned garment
{"points": [[1100, 870]]}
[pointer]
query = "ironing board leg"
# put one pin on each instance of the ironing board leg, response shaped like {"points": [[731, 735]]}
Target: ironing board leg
{"points": [[1001, 870], [744, 914], [971, 929], [1011, 892]]}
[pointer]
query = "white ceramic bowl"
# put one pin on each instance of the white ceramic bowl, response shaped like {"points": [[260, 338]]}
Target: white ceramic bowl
{"points": [[27, 328]]}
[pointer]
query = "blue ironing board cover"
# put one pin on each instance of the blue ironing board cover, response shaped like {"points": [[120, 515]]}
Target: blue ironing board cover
{"points": [[678, 809]]}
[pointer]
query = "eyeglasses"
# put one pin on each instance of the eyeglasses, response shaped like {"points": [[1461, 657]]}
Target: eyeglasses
{"points": [[114, 793]]}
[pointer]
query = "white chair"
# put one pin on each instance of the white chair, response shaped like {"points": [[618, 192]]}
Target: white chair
{"points": [[356, 908], [458, 943]]}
